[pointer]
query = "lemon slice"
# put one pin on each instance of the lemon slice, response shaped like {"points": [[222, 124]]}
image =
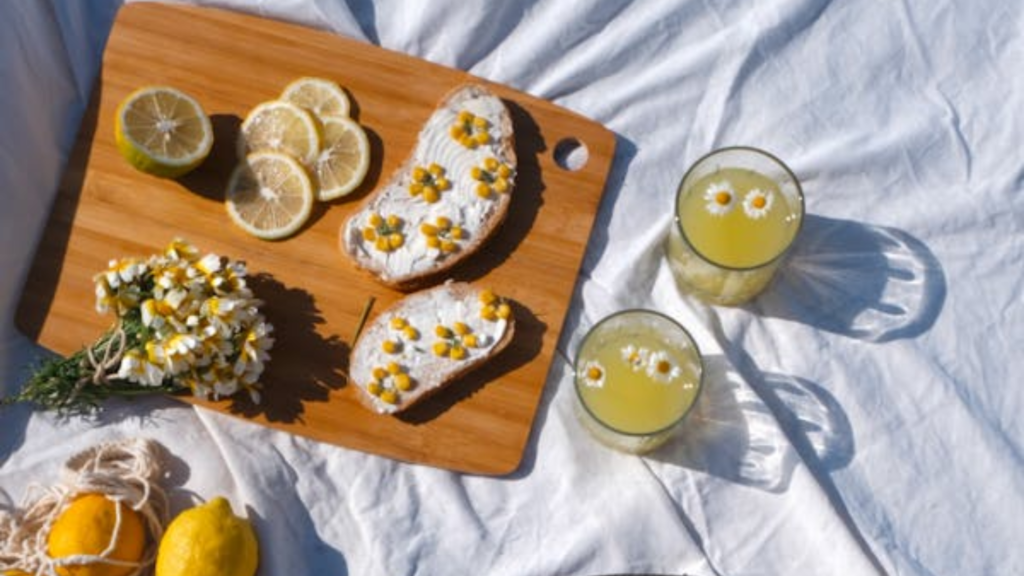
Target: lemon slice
{"points": [[321, 97], [342, 164], [280, 126], [162, 131], [269, 195]]}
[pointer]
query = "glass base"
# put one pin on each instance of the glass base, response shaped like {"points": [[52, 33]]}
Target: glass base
{"points": [[628, 443], [710, 283]]}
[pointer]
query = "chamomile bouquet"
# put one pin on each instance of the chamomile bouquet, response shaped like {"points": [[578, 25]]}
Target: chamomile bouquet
{"points": [[184, 322]]}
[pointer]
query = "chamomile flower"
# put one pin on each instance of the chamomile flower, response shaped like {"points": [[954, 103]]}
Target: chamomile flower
{"points": [[661, 369], [720, 198], [635, 357], [757, 203], [179, 352], [123, 271], [593, 374], [138, 367]]}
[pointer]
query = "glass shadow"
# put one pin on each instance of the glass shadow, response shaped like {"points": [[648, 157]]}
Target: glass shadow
{"points": [[867, 282], [731, 434]]}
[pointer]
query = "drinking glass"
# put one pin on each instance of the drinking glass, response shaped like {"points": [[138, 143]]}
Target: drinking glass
{"points": [[738, 211], [638, 374]]}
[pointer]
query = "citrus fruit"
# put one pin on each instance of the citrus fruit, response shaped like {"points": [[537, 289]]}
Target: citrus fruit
{"points": [[321, 97], [162, 131], [344, 160], [280, 126], [269, 195], [87, 527], [208, 540]]}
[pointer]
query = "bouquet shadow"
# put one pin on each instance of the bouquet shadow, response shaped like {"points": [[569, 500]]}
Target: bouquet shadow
{"points": [[305, 365]]}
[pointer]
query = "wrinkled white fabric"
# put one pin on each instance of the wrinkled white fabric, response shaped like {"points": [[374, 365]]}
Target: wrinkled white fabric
{"points": [[860, 417]]}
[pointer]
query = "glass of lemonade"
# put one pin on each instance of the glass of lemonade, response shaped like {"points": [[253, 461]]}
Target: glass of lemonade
{"points": [[638, 373], [738, 211]]}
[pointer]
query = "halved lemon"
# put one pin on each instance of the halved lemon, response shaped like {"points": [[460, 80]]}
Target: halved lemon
{"points": [[280, 126], [269, 195], [344, 160], [162, 131], [318, 95]]}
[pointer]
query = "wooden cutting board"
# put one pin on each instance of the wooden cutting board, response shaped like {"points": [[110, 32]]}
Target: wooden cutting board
{"points": [[230, 62]]}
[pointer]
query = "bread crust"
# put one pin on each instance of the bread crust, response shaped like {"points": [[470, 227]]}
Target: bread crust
{"points": [[430, 378], [505, 149]]}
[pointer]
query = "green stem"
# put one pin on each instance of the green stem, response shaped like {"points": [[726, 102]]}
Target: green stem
{"points": [[65, 384]]}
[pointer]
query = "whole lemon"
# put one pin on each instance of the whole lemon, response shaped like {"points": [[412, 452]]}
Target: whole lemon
{"points": [[208, 540], [86, 527]]}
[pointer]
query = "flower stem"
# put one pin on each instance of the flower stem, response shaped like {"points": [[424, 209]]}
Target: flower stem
{"points": [[71, 386]]}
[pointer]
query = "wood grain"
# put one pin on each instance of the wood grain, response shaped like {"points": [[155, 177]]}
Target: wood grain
{"points": [[230, 62]]}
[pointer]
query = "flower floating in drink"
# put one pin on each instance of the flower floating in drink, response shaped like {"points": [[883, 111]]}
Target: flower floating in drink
{"points": [[184, 322], [638, 373], [738, 210]]}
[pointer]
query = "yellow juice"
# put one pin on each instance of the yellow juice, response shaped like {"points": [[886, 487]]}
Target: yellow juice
{"points": [[737, 218], [637, 374], [738, 210]]}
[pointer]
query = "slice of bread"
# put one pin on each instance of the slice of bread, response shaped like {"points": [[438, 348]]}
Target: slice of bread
{"points": [[426, 341], [445, 200]]}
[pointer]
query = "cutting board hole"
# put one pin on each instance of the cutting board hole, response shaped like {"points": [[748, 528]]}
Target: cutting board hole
{"points": [[571, 154]]}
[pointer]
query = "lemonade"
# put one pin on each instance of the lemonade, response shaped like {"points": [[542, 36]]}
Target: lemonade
{"points": [[737, 212], [637, 374]]}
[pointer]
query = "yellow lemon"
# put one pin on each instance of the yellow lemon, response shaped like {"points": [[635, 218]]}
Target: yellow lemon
{"points": [[208, 540], [87, 527], [162, 131], [280, 126], [344, 160], [318, 95], [269, 195]]}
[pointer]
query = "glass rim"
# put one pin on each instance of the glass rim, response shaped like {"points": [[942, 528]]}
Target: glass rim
{"points": [[772, 158], [638, 311]]}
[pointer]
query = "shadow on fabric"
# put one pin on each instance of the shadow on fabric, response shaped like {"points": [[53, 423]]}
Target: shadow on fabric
{"points": [[732, 434], [13, 421], [755, 434], [286, 525], [866, 282], [625, 152]]}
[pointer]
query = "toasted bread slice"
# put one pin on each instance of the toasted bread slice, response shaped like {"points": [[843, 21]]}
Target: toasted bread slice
{"points": [[447, 198], [426, 341]]}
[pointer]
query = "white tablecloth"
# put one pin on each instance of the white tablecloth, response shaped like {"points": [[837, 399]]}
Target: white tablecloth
{"points": [[861, 417]]}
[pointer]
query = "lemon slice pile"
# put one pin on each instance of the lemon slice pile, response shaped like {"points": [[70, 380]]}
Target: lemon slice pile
{"points": [[306, 131], [162, 131]]}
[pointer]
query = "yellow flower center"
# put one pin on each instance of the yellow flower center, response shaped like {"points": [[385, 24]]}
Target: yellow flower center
{"points": [[723, 198], [594, 373], [664, 366], [759, 202]]}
